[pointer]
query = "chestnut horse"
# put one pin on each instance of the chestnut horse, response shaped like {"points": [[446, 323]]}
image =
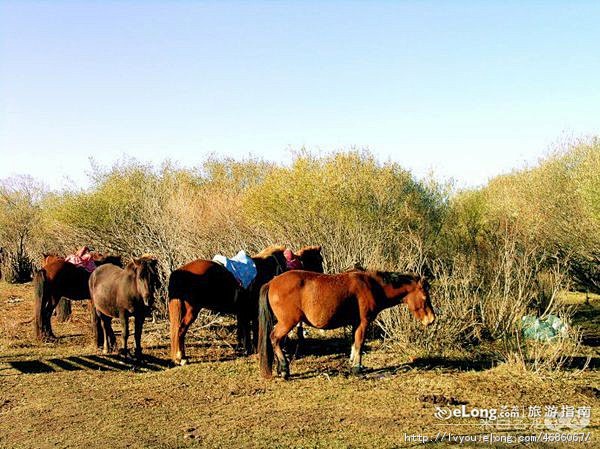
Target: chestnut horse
{"points": [[56, 279], [331, 301], [123, 292], [207, 284]]}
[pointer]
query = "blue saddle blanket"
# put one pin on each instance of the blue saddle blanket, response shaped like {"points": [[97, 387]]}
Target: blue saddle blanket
{"points": [[241, 266]]}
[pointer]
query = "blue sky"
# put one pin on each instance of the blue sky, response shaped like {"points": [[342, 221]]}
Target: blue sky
{"points": [[466, 89]]}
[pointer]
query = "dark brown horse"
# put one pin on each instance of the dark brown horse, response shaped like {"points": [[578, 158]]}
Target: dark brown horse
{"points": [[207, 284], [311, 258], [331, 301], [121, 293], [56, 279]]}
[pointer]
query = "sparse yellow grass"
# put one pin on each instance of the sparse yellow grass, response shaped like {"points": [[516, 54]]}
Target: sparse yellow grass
{"points": [[578, 298], [220, 400]]}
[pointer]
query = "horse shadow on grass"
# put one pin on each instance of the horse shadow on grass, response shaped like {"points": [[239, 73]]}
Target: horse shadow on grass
{"points": [[89, 362], [420, 364], [443, 364], [318, 347]]}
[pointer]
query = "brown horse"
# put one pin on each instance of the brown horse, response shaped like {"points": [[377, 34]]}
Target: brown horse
{"points": [[331, 301], [56, 279], [311, 259], [123, 292], [207, 284]]}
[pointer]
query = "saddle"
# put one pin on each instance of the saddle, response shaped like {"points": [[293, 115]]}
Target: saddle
{"points": [[83, 259], [241, 266]]}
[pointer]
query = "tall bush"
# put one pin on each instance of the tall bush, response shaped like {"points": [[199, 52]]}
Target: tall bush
{"points": [[19, 216], [359, 209]]}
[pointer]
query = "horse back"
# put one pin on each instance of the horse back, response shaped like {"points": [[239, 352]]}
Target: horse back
{"points": [[108, 273], [203, 283], [105, 286], [321, 300], [65, 279]]}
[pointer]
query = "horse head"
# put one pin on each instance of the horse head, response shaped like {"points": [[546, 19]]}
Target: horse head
{"points": [[280, 263], [101, 259], [419, 302], [311, 258], [51, 257], [271, 260], [146, 277]]}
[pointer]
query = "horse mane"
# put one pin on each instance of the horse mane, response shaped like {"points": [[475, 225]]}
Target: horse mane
{"points": [[397, 279], [308, 249], [101, 259], [49, 257], [146, 259], [269, 251], [149, 262], [44, 255]]}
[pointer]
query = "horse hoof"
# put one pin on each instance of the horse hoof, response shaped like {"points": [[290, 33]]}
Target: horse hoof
{"points": [[356, 370], [180, 362], [105, 351]]}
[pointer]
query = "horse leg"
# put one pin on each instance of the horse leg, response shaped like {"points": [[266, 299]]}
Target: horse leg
{"points": [[112, 338], [63, 310], [244, 339], [254, 326], [125, 332], [175, 314], [279, 332], [137, 333], [96, 326], [190, 315], [106, 330], [47, 317], [300, 333], [356, 351], [243, 315], [181, 314]]}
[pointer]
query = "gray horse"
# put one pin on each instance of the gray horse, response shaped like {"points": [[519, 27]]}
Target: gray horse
{"points": [[121, 293]]}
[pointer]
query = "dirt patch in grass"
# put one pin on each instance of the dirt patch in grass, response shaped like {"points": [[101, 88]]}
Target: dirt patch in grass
{"points": [[64, 394]]}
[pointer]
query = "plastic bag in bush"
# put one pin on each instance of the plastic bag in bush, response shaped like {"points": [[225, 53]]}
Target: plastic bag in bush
{"points": [[544, 329]]}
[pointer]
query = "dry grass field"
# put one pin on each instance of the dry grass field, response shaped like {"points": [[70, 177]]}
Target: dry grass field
{"points": [[65, 395]]}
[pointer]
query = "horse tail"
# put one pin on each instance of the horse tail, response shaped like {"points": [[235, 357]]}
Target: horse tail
{"points": [[265, 327], [39, 284]]}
